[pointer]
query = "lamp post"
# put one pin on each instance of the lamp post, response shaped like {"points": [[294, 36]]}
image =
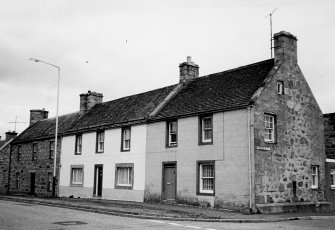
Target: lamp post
{"points": [[56, 131]]}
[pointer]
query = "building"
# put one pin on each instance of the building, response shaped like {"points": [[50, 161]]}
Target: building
{"points": [[247, 137], [329, 122], [5, 151], [32, 154]]}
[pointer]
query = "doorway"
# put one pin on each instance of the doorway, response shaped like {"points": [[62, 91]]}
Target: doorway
{"points": [[169, 181], [32, 183], [98, 174]]}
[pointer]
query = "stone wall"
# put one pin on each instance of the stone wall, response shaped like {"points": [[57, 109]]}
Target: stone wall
{"points": [[4, 168], [329, 123], [283, 168], [42, 167]]}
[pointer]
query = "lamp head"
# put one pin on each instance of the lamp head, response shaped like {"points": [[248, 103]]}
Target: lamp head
{"points": [[33, 59]]}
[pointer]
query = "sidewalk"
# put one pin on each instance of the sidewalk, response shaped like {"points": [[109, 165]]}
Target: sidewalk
{"points": [[162, 211]]}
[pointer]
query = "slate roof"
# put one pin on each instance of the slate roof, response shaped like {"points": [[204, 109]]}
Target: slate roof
{"points": [[123, 110], [222, 91], [2, 143], [45, 129]]}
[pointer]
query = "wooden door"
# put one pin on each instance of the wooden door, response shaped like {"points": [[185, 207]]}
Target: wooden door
{"points": [[169, 182]]}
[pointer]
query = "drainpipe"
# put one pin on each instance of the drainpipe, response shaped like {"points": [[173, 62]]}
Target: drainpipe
{"points": [[249, 157]]}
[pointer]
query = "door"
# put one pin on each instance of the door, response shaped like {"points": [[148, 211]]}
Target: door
{"points": [[169, 182], [32, 183], [98, 180]]}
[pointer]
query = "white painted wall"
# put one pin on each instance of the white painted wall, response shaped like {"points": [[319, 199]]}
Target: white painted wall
{"points": [[112, 154]]}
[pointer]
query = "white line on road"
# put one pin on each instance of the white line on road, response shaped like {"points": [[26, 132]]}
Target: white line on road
{"points": [[157, 221], [175, 224], [189, 226]]}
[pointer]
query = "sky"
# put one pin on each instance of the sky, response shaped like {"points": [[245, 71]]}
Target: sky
{"points": [[123, 47]]}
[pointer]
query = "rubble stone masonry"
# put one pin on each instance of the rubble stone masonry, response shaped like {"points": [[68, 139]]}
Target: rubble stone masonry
{"points": [[283, 168]]}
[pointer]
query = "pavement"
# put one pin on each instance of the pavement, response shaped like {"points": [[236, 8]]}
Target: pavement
{"points": [[162, 211]]}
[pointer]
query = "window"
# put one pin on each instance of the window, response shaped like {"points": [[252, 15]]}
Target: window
{"points": [[49, 185], [206, 130], [34, 151], [125, 139], [332, 178], [51, 149], [78, 145], [77, 175], [17, 180], [124, 174], [280, 87], [100, 141], [206, 178], [315, 176], [19, 153], [172, 128], [269, 128]]}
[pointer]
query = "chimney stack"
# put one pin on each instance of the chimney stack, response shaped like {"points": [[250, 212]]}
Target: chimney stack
{"points": [[285, 47], [10, 135], [37, 115], [89, 99], [188, 70]]}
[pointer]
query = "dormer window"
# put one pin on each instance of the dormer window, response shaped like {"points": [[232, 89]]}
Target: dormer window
{"points": [[280, 87]]}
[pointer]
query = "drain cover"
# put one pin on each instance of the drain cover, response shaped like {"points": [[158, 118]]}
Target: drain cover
{"points": [[70, 223]]}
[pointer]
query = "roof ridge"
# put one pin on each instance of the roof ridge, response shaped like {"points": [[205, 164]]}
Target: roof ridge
{"points": [[237, 68]]}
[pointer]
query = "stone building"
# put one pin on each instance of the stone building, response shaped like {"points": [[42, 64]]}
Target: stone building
{"points": [[329, 122], [5, 151], [32, 154]]}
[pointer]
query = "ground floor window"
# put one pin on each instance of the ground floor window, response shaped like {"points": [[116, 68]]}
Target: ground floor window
{"points": [[17, 180], [332, 178], [77, 175], [49, 185], [124, 175], [206, 177], [315, 176]]}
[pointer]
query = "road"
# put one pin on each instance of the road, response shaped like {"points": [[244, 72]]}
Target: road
{"points": [[16, 216]]}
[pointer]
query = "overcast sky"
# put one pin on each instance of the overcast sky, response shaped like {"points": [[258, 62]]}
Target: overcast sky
{"points": [[124, 47]]}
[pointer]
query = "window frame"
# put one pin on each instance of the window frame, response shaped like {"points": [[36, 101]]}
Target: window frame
{"points": [[34, 151], [123, 149], [97, 150], [274, 128], [78, 144], [73, 167], [169, 143], [51, 149], [332, 178], [280, 87], [202, 130], [18, 178], [316, 175], [199, 178], [130, 174]]}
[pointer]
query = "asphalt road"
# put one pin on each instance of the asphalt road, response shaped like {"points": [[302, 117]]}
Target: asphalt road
{"points": [[16, 216]]}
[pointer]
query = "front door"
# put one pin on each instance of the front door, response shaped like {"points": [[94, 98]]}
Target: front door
{"points": [[32, 183], [169, 182], [97, 180]]}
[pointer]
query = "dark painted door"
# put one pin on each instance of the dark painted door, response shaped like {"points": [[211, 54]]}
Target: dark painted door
{"points": [[98, 173], [169, 179], [32, 183]]}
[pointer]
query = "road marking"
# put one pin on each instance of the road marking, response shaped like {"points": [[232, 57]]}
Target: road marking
{"points": [[180, 225], [190, 226], [175, 224], [157, 221], [210, 229]]}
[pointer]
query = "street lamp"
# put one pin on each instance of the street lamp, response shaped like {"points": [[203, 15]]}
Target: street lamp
{"points": [[56, 132]]}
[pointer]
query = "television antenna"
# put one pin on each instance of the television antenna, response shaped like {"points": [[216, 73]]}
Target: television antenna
{"points": [[16, 122], [271, 39]]}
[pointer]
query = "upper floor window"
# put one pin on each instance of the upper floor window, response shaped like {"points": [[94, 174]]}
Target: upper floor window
{"points": [[100, 141], [19, 152], [206, 130], [315, 177], [125, 139], [206, 177], [269, 128], [172, 128], [34, 151], [332, 178], [78, 144], [280, 87], [51, 149]]}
